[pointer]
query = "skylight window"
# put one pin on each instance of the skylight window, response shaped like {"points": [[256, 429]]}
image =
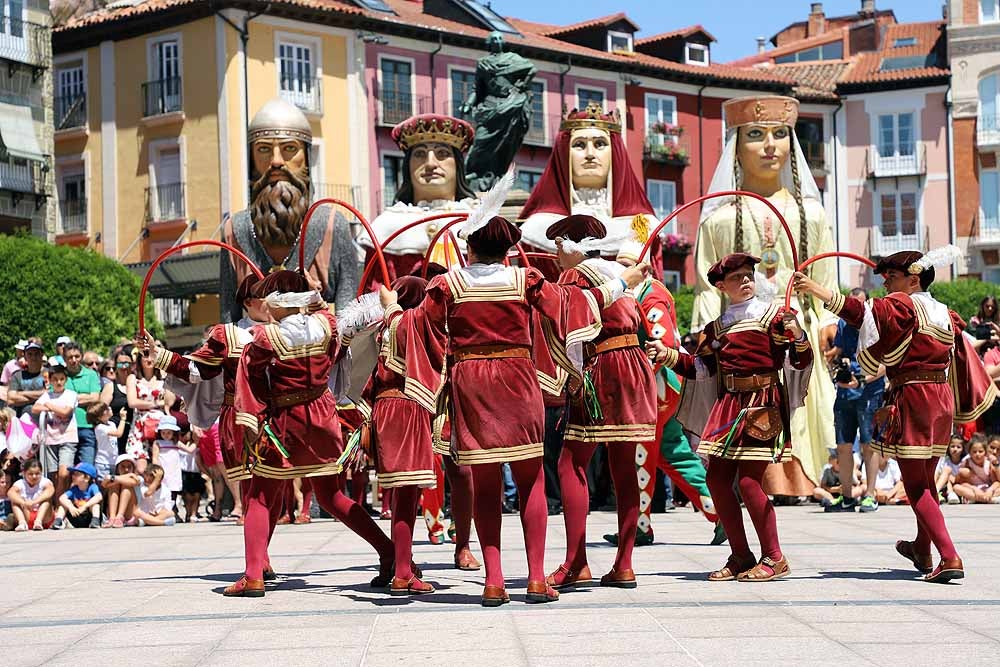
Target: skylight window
{"points": [[485, 13], [904, 41], [906, 62]]}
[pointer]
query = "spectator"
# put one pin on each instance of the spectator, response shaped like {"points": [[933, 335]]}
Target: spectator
{"points": [[27, 385], [210, 452], [991, 419], [15, 364], [92, 360], [61, 430], [106, 373], [59, 358], [829, 484], [99, 416], [147, 399], [6, 480], [31, 498], [81, 501], [993, 450], [889, 483], [858, 397], [122, 489], [155, 503], [192, 483], [977, 479], [87, 385], [948, 466], [167, 453], [115, 394]]}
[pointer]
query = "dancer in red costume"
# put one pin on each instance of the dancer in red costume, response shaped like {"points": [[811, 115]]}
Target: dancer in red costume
{"points": [[747, 427], [286, 422], [935, 376], [616, 407], [474, 330]]}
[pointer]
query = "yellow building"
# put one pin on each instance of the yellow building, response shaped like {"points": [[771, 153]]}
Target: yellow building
{"points": [[152, 108]]}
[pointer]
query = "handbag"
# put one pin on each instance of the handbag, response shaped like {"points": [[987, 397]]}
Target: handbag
{"points": [[149, 424], [763, 423]]}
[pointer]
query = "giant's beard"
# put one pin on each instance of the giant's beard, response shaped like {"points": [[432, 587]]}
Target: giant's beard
{"points": [[278, 208]]}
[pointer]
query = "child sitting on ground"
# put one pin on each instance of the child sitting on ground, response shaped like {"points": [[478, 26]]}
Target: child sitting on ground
{"points": [[947, 470], [31, 498], [977, 481], [81, 501], [889, 483], [829, 484], [6, 480], [121, 488], [107, 434], [156, 506], [993, 450]]}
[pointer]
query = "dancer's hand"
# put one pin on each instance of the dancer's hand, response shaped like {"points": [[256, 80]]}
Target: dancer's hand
{"points": [[792, 324], [634, 275], [387, 296], [803, 284], [656, 351]]}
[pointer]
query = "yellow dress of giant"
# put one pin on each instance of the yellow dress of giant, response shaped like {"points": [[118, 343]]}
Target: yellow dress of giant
{"points": [[812, 426]]}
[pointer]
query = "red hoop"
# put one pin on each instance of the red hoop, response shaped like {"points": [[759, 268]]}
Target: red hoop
{"points": [[815, 258], [542, 255], [170, 251], [459, 217], [357, 214]]}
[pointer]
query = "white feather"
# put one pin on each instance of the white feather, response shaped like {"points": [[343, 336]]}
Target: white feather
{"points": [[944, 256], [360, 314], [489, 205]]}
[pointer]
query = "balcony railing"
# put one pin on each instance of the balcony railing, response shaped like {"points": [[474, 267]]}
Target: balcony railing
{"points": [[24, 41], [543, 129], [303, 93], [165, 202], [397, 106], [988, 131], [914, 164], [162, 96], [671, 150], [882, 244], [29, 176], [70, 111], [72, 216]]}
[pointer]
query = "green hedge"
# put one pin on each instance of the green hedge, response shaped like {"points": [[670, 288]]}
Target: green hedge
{"points": [[51, 291], [962, 296]]}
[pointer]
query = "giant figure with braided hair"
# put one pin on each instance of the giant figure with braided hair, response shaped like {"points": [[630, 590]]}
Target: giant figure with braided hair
{"points": [[762, 155]]}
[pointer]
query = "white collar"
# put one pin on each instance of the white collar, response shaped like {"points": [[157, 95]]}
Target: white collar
{"points": [[752, 308]]}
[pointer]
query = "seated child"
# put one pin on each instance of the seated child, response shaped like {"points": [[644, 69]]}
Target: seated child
{"points": [[156, 505], [889, 483], [6, 480], [977, 481], [81, 501], [993, 450], [121, 488], [829, 484], [946, 473], [31, 498]]}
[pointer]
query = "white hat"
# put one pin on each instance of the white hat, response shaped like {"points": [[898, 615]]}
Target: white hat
{"points": [[21, 344], [124, 457], [62, 340]]}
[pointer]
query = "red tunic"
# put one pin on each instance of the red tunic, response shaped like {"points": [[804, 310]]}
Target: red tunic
{"points": [[220, 353], [922, 411], [290, 361], [402, 428], [495, 405], [744, 348], [623, 378]]}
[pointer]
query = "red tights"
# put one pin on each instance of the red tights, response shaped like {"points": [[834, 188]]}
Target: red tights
{"points": [[487, 501], [722, 473], [404, 515], [460, 480], [572, 468], [918, 479]]}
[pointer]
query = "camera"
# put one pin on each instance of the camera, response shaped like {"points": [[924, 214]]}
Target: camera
{"points": [[842, 372], [983, 331]]}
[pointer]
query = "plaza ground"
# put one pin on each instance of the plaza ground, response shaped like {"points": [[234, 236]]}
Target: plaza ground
{"points": [[152, 596]]}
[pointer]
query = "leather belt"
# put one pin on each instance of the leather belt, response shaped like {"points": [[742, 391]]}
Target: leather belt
{"points": [[229, 399], [917, 377], [491, 352], [735, 384], [613, 343], [299, 397], [390, 393]]}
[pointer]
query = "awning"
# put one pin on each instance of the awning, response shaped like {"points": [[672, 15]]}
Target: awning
{"points": [[182, 276], [18, 132]]}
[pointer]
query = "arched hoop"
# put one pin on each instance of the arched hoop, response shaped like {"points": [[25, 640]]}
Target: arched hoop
{"points": [[459, 217], [816, 258], [357, 214]]}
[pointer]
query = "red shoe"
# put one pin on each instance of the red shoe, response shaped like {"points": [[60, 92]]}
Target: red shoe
{"points": [[411, 586], [619, 579], [947, 570], [303, 519], [283, 520], [464, 560], [245, 588], [923, 563], [565, 578], [494, 596], [539, 592], [385, 577]]}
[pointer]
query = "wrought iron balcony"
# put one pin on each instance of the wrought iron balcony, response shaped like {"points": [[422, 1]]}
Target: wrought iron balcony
{"points": [[543, 129], [25, 42], [882, 242], [306, 94], [70, 111], [72, 216], [162, 96], [913, 164], [988, 131], [396, 106], [165, 202]]}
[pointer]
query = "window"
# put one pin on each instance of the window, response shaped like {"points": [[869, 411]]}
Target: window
{"points": [[70, 100], [696, 54], [900, 42], [619, 41], [463, 84], [527, 179], [989, 203], [536, 132], [830, 51], [663, 196], [396, 94], [989, 11], [588, 96], [484, 13], [163, 91], [898, 214], [375, 5], [72, 199], [895, 135], [661, 110], [989, 109], [298, 82], [392, 178], [166, 197], [12, 17], [809, 132]]}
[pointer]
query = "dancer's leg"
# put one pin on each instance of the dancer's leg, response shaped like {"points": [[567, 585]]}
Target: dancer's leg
{"points": [[720, 478], [576, 501], [621, 457], [487, 501], [758, 505], [404, 515], [460, 479], [919, 483], [529, 476]]}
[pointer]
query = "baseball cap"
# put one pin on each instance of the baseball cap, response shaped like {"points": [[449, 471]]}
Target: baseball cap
{"points": [[124, 457], [32, 346], [21, 344], [85, 468], [63, 340]]}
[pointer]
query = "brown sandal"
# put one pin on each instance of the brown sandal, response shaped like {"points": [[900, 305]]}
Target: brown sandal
{"points": [[732, 568], [563, 577], [766, 570]]}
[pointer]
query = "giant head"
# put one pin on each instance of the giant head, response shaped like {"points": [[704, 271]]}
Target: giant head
{"points": [[279, 139], [765, 126], [433, 163]]}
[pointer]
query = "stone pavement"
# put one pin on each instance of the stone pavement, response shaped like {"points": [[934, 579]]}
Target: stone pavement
{"points": [[151, 596]]}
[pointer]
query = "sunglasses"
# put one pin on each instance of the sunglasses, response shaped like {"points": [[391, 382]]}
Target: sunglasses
{"points": [[122, 364]]}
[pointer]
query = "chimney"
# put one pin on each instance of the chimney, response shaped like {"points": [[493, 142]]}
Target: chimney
{"points": [[867, 8], [761, 44], [817, 20]]}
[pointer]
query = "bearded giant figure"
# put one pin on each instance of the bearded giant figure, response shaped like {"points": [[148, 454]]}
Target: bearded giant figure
{"points": [[762, 155], [433, 182], [279, 139], [588, 173]]}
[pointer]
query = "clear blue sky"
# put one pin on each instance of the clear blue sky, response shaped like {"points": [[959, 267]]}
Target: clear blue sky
{"points": [[734, 23]]}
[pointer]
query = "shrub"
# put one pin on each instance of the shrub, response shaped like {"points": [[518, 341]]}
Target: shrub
{"points": [[684, 303], [51, 291]]}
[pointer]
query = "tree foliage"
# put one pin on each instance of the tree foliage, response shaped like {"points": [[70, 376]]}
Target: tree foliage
{"points": [[51, 291]]}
